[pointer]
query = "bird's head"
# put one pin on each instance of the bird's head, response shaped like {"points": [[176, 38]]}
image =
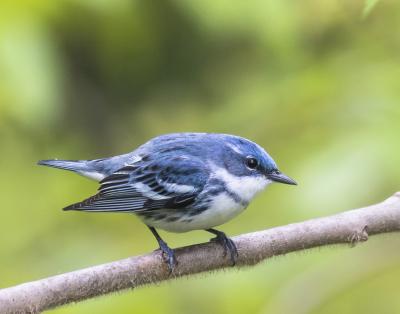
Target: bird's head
{"points": [[244, 158]]}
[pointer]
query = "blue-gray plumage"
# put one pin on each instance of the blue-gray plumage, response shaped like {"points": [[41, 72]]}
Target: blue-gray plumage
{"points": [[180, 182]]}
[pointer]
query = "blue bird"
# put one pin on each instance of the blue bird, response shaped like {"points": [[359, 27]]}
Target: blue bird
{"points": [[180, 182]]}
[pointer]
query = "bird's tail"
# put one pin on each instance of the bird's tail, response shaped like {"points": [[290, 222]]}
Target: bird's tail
{"points": [[72, 165], [85, 168]]}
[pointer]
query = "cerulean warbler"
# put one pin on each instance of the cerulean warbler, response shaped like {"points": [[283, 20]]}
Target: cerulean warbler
{"points": [[180, 182]]}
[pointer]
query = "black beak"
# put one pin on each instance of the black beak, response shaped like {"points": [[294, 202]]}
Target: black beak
{"points": [[277, 176]]}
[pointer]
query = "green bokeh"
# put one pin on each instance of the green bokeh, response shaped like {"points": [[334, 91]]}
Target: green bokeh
{"points": [[315, 83]]}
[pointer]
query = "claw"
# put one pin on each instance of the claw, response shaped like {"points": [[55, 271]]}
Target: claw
{"points": [[168, 256], [227, 244]]}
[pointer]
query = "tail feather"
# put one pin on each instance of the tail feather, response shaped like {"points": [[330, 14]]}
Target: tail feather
{"points": [[81, 167], [82, 204], [72, 165]]}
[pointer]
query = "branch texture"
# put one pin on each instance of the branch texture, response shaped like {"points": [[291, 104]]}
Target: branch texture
{"points": [[349, 227]]}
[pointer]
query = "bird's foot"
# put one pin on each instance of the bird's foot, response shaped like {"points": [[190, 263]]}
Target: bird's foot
{"points": [[168, 256], [227, 244]]}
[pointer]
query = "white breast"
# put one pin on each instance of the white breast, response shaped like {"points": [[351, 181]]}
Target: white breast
{"points": [[245, 187], [222, 209]]}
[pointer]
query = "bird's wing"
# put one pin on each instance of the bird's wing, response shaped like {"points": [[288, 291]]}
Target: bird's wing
{"points": [[170, 182]]}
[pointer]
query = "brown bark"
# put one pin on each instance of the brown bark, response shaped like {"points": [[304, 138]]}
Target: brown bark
{"points": [[348, 227]]}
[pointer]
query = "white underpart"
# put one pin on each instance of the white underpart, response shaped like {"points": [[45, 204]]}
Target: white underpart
{"points": [[245, 187], [97, 176], [223, 207]]}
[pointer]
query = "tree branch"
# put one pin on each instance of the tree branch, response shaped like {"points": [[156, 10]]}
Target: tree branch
{"points": [[349, 227]]}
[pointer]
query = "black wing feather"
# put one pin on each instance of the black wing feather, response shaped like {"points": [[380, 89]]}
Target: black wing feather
{"points": [[149, 187]]}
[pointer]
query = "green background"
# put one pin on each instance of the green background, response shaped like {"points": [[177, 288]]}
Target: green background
{"points": [[316, 83]]}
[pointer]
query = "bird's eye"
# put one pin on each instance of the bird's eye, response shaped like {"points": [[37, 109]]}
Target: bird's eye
{"points": [[251, 163]]}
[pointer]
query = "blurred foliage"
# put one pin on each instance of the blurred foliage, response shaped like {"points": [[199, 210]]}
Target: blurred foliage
{"points": [[313, 82], [369, 5]]}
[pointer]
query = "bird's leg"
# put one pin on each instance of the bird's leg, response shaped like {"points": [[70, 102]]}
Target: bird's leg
{"points": [[227, 244], [168, 253]]}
